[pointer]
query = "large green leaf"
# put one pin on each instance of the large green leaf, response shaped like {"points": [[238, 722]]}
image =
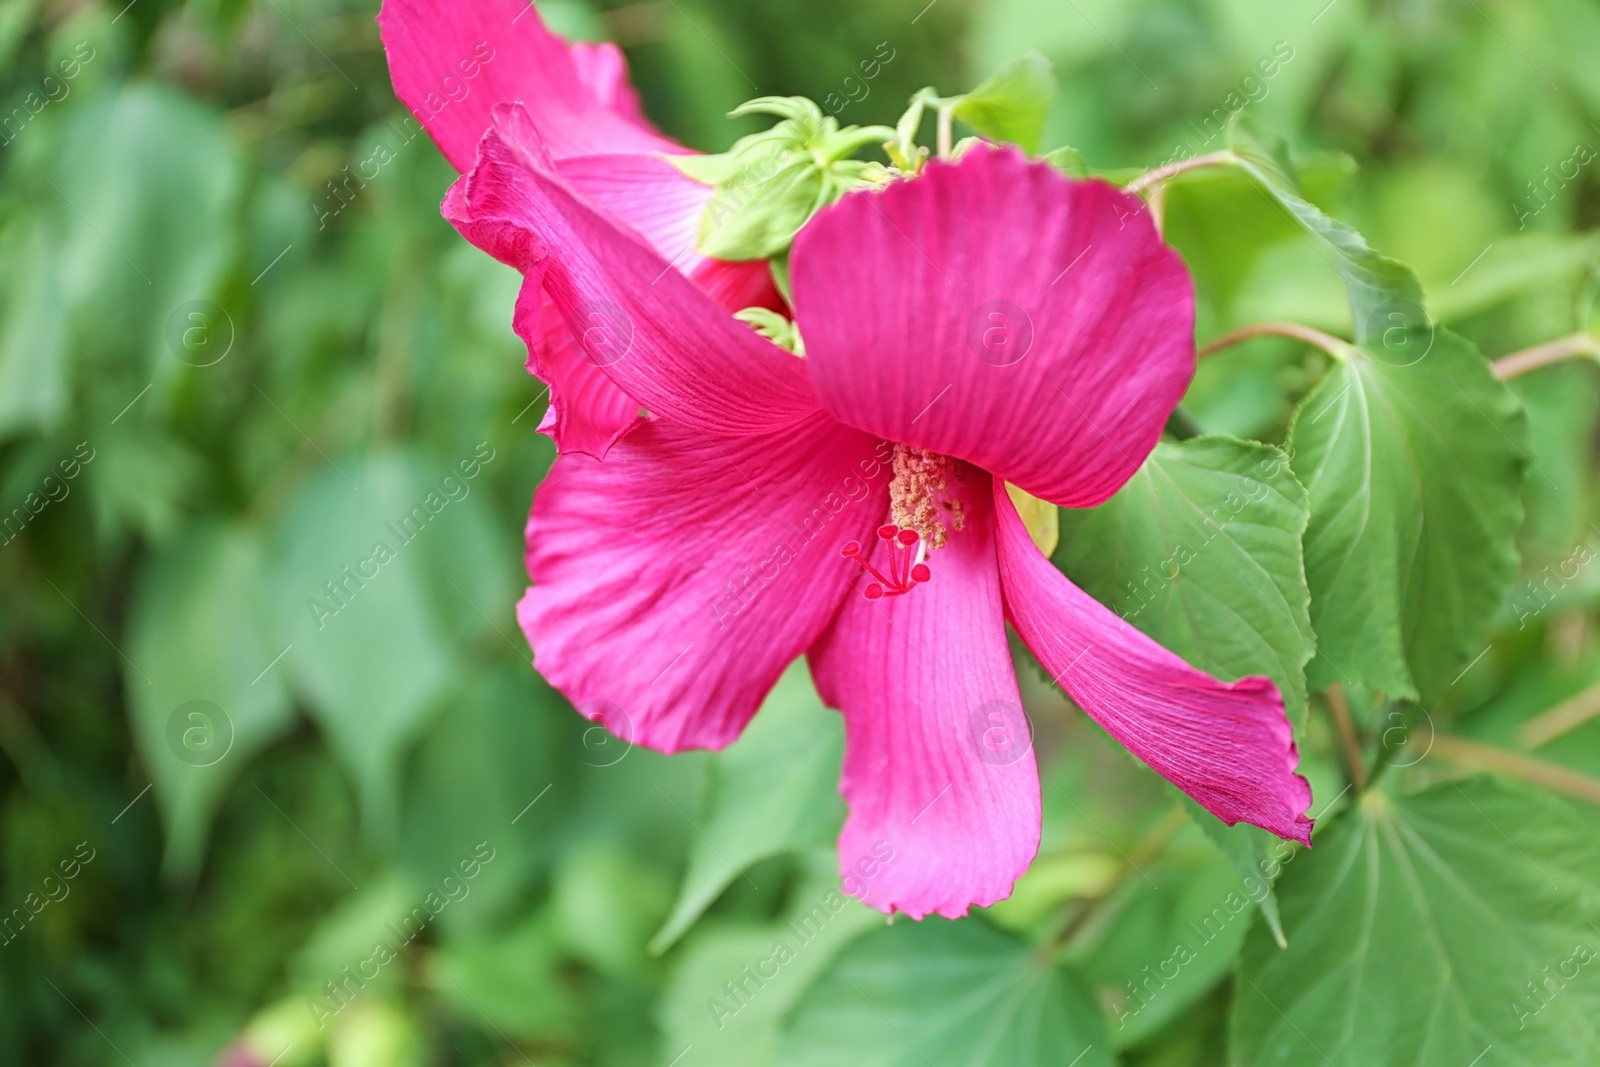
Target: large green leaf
{"points": [[205, 689], [1385, 298], [1415, 475], [774, 790], [133, 224], [740, 1028], [1178, 926], [33, 363], [1406, 558], [355, 599], [938, 992], [1201, 550], [1425, 931]]}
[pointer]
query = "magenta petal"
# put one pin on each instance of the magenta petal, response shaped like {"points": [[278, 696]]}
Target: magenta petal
{"points": [[663, 205], [452, 62], [604, 69], [587, 411], [938, 769], [1229, 746], [662, 341], [675, 581], [1000, 312]]}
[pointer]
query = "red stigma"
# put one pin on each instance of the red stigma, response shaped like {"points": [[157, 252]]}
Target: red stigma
{"points": [[905, 571]]}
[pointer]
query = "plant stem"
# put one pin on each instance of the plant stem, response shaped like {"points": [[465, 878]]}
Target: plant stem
{"points": [[1172, 170], [946, 134], [1531, 359], [1481, 757], [1561, 719], [1316, 338], [1339, 711]]}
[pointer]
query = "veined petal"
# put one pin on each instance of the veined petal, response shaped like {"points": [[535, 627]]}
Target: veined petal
{"points": [[602, 67], [998, 311], [663, 205], [452, 62], [1228, 745], [675, 581], [587, 410], [661, 340], [938, 767]]}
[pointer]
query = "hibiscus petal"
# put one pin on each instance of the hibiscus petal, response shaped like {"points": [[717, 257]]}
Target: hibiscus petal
{"points": [[663, 205], [602, 67], [1229, 746], [938, 766], [451, 63], [587, 411], [659, 339], [674, 582], [996, 310]]}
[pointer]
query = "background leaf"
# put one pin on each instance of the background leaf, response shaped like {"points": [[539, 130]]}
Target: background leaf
{"points": [[773, 790], [1482, 892], [1408, 560], [197, 635], [963, 992], [1013, 103]]}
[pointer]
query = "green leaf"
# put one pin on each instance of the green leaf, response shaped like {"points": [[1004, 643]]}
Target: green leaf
{"points": [[774, 790], [1230, 232], [1516, 264], [1563, 406], [1255, 855], [1426, 930], [1179, 923], [354, 597], [204, 692], [33, 359], [133, 224], [149, 186], [945, 992], [513, 978], [502, 724], [696, 1007], [1068, 161], [1201, 551], [1385, 298], [1414, 467], [1013, 103]]}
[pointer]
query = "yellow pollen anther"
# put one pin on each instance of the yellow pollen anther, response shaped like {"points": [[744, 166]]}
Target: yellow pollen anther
{"points": [[917, 496]]}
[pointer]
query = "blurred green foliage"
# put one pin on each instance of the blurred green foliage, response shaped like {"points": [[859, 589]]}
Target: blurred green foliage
{"points": [[251, 382]]}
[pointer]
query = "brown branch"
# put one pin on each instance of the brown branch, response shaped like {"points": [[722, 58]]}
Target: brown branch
{"points": [[1315, 338], [1531, 359], [1172, 170], [1480, 757], [1561, 719], [1339, 710]]}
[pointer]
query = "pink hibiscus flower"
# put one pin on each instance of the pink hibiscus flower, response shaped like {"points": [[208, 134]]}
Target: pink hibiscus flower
{"points": [[989, 322], [453, 62]]}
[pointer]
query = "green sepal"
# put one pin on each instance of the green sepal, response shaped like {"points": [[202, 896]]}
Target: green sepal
{"points": [[904, 152], [753, 220], [769, 184], [774, 327]]}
